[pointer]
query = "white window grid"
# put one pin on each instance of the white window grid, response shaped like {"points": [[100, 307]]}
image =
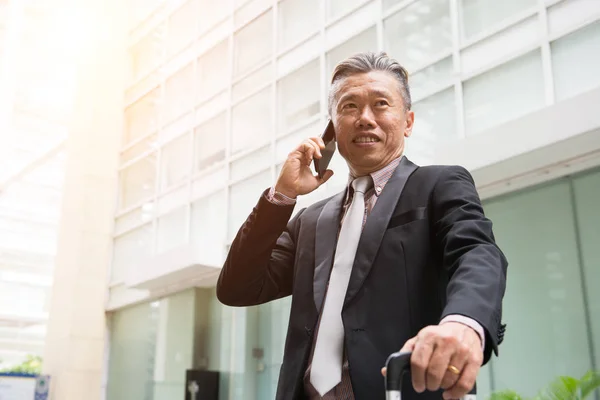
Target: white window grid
{"points": [[161, 14]]}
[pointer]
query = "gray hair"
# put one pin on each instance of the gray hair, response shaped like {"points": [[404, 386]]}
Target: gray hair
{"points": [[364, 63]]}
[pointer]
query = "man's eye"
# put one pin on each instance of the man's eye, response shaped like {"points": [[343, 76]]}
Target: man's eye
{"points": [[349, 105], [382, 103]]}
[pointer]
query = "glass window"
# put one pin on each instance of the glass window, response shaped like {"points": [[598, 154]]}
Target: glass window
{"points": [[261, 327], [146, 53], [250, 10], [175, 162], [250, 164], [271, 321], [287, 143], [253, 43], [138, 181], [214, 106], [298, 96], [252, 82], [172, 229], [153, 344], [179, 93], [419, 32], [129, 250], [297, 20], [387, 4], [139, 148], [501, 47], [252, 121], [173, 198], [504, 93], [209, 142], [141, 118], [364, 41], [133, 332], [213, 71], [431, 78], [243, 196], [135, 217], [139, 10], [576, 62], [182, 27], [587, 193], [212, 14], [435, 122], [435, 118], [336, 8], [209, 230], [563, 16], [210, 181], [477, 16], [543, 306]]}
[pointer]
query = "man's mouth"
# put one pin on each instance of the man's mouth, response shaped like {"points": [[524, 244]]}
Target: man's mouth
{"points": [[366, 139]]}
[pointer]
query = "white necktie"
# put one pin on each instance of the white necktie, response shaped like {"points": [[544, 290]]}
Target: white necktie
{"points": [[326, 369]]}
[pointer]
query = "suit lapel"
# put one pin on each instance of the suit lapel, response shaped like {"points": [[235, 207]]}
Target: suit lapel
{"points": [[325, 241], [376, 226]]}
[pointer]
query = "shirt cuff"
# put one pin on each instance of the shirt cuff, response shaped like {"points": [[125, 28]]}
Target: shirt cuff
{"points": [[279, 199], [470, 322]]}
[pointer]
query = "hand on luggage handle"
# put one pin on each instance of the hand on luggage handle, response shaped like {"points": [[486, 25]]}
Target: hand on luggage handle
{"points": [[397, 365]]}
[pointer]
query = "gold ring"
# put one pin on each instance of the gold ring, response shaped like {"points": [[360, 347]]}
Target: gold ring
{"points": [[453, 369]]}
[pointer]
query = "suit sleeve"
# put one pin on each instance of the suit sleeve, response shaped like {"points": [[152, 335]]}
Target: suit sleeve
{"points": [[260, 264], [476, 266]]}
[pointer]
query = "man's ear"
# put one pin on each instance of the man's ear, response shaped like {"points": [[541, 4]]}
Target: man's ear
{"points": [[409, 121]]}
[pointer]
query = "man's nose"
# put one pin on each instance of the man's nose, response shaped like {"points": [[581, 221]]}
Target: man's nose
{"points": [[366, 119]]}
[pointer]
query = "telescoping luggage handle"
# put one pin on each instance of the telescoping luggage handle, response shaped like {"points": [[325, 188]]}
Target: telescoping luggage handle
{"points": [[397, 365]]}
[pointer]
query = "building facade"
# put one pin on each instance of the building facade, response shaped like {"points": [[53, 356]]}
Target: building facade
{"points": [[217, 95]]}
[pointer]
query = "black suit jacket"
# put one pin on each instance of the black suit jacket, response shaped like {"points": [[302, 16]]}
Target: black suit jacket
{"points": [[426, 251]]}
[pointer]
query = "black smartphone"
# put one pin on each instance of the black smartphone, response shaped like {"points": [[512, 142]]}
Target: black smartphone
{"points": [[328, 137]]}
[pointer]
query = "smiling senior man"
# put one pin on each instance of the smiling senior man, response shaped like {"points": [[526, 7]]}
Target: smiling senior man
{"points": [[403, 258]]}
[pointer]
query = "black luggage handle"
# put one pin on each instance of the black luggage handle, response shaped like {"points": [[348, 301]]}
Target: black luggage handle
{"points": [[397, 365]]}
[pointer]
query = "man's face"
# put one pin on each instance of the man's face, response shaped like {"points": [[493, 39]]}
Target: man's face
{"points": [[370, 121]]}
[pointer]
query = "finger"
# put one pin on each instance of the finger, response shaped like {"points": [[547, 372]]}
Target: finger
{"points": [[409, 345], [465, 383], [307, 151], [438, 364], [318, 141], [316, 146], [458, 360], [420, 360]]}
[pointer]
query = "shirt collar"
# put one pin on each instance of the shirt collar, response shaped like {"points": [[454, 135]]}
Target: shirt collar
{"points": [[380, 177]]}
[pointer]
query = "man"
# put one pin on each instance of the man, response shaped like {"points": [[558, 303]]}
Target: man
{"points": [[404, 258]]}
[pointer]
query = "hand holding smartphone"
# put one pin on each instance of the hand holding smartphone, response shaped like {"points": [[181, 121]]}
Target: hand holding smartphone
{"points": [[328, 137]]}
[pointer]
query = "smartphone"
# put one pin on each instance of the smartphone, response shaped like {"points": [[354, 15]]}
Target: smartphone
{"points": [[328, 137]]}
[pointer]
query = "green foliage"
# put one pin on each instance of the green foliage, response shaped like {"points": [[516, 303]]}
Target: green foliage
{"points": [[506, 395], [31, 365], [561, 388]]}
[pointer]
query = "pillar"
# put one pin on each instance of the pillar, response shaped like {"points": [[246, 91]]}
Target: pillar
{"points": [[96, 36]]}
